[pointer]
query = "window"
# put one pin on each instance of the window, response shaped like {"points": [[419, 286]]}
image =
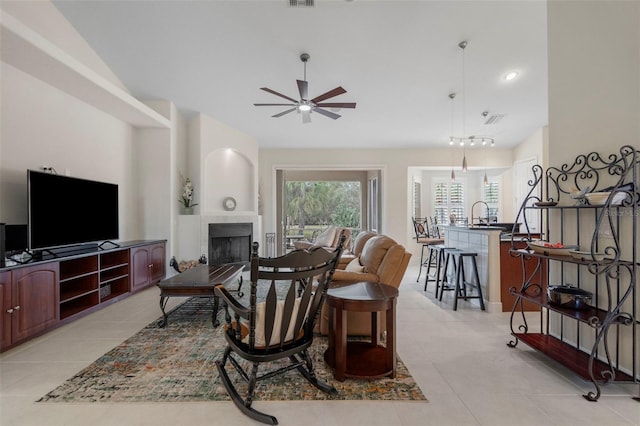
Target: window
{"points": [[491, 196], [373, 204], [417, 209], [448, 199]]}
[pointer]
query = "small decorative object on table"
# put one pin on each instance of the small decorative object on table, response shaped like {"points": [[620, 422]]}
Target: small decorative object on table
{"points": [[187, 197]]}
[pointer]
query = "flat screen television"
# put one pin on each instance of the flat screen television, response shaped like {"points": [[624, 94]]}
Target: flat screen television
{"points": [[65, 211]]}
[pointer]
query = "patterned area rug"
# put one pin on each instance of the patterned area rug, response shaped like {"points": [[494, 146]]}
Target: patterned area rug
{"points": [[177, 363]]}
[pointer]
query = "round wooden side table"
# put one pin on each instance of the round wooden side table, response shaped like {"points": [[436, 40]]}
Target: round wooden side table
{"points": [[366, 358]]}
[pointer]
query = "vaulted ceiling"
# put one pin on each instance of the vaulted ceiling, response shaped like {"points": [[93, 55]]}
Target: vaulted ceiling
{"points": [[398, 60]]}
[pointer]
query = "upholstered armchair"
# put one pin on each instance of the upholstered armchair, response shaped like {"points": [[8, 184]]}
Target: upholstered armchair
{"points": [[356, 250], [381, 260], [329, 238]]}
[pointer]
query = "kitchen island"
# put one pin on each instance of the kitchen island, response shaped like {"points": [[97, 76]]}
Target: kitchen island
{"points": [[485, 240], [498, 270]]}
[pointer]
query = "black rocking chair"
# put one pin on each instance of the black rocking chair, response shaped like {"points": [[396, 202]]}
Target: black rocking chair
{"points": [[278, 326]]}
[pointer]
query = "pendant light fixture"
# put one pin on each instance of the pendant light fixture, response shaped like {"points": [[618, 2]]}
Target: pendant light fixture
{"points": [[464, 139], [452, 96], [485, 180], [462, 45]]}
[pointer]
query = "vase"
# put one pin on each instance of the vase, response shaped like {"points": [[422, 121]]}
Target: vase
{"points": [[187, 210]]}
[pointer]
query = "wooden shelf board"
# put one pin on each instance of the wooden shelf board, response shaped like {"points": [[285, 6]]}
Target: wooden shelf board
{"points": [[72, 295], [569, 356], [583, 315], [112, 279], [69, 278]]}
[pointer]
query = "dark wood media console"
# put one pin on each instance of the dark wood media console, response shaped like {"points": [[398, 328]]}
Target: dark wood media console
{"points": [[41, 295]]}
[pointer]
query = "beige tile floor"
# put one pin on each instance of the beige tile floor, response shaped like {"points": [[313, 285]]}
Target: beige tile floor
{"points": [[459, 359]]}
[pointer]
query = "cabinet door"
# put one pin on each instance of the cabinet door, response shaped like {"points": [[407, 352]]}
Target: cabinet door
{"points": [[157, 262], [140, 267], [35, 299], [6, 305]]}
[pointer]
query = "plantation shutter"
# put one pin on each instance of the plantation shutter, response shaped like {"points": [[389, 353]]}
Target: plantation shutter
{"points": [[449, 198], [491, 196]]}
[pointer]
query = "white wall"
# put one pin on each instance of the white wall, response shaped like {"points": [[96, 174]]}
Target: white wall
{"points": [[594, 102], [395, 165], [222, 162], [42, 126], [594, 77], [47, 20], [45, 126]]}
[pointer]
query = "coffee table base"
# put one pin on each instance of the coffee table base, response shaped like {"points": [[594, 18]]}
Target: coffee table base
{"points": [[199, 282]]}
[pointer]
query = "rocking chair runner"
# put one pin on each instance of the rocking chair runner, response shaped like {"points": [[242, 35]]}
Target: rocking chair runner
{"points": [[279, 327]]}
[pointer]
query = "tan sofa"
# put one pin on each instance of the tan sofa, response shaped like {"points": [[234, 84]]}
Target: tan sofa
{"points": [[328, 238], [384, 261]]}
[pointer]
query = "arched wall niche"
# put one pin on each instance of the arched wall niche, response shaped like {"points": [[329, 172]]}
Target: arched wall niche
{"points": [[228, 173]]}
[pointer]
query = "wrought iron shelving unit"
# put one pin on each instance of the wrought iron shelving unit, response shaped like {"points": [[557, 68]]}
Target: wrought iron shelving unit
{"points": [[600, 343]]}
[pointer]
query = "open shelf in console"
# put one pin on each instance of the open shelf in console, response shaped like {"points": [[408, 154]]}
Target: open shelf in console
{"points": [[114, 274], [78, 304], [78, 285]]}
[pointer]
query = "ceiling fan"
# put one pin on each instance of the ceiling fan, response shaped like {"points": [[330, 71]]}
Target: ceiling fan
{"points": [[306, 106]]}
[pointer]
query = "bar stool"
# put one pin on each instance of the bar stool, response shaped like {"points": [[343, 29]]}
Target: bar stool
{"points": [[423, 237], [437, 252], [461, 281], [449, 278]]}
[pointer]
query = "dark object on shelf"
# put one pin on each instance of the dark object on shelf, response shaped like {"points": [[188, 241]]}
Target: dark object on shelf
{"points": [[545, 203], [2, 230], [105, 291], [570, 297]]}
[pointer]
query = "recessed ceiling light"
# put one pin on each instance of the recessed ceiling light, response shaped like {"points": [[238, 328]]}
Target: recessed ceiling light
{"points": [[511, 75]]}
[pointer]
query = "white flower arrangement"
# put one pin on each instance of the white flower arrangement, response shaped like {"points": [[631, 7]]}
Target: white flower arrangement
{"points": [[187, 194]]}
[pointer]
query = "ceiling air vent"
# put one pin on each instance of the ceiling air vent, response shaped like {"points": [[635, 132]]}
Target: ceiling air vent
{"points": [[301, 3], [494, 119]]}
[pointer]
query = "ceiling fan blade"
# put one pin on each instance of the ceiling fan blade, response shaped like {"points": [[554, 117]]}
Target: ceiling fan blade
{"points": [[285, 112], [337, 104], [266, 89], [274, 104], [330, 94], [327, 113], [302, 88], [306, 117]]}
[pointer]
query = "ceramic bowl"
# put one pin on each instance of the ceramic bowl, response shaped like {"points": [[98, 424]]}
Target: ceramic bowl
{"points": [[597, 198]]}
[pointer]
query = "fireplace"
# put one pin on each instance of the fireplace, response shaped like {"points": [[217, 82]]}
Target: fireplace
{"points": [[230, 243]]}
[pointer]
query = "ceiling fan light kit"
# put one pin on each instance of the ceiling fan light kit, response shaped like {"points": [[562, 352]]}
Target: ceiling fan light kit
{"points": [[307, 106]]}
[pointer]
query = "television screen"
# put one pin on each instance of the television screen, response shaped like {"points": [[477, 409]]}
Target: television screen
{"points": [[64, 210]]}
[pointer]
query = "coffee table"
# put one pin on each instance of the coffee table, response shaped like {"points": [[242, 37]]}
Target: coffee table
{"points": [[199, 282], [364, 358]]}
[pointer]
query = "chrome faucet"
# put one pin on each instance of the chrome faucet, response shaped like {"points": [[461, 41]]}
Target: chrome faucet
{"points": [[479, 218]]}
